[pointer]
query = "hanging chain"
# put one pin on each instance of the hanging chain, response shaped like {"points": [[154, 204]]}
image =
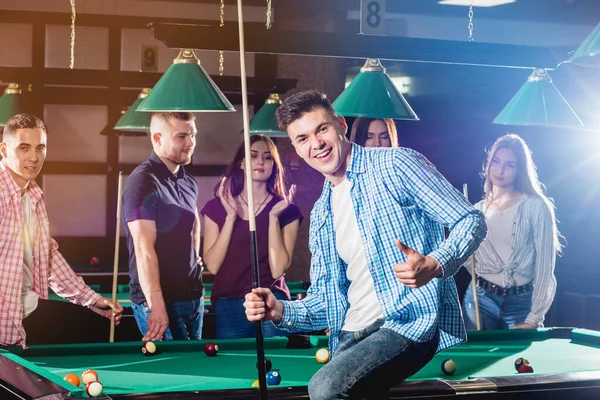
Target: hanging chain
{"points": [[222, 24], [470, 20], [269, 14], [73, 15], [221, 62], [222, 14]]}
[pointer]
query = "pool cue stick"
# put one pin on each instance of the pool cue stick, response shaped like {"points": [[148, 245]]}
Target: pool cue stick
{"points": [[260, 346], [473, 275], [116, 260]]}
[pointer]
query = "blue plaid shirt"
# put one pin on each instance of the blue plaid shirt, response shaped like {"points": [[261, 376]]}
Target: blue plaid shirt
{"points": [[397, 194]]}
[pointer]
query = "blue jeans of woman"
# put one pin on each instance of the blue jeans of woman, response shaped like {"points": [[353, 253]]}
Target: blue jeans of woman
{"points": [[495, 311], [185, 319], [368, 363], [233, 324]]}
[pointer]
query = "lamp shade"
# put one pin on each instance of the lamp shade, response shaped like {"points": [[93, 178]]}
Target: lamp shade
{"points": [[264, 121], [135, 121], [185, 87], [538, 103], [588, 52], [372, 94], [11, 102]]}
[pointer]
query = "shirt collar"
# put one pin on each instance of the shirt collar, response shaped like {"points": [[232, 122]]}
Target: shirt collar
{"points": [[162, 170], [356, 165], [358, 160], [7, 180]]}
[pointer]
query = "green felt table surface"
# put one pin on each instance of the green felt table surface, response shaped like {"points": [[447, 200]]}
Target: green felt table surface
{"points": [[183, 366]]}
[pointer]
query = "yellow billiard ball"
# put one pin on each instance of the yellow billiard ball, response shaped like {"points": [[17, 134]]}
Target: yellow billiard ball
{"points": [[322, 356]]}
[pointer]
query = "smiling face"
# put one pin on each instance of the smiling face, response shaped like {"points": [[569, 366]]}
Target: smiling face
{"points": [[378, 135], [24, 153], [319, 139], [503, 168], [261, 161]]}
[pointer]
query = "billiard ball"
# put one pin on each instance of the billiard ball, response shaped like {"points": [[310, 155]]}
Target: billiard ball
{"points": [[72, 379], [448, 367], [149, 348], [94, 260], [273, 377], [94, 389], [520, 361], [268, 365], [322, 356], [525, 369], [89, 375], [211, 349]]}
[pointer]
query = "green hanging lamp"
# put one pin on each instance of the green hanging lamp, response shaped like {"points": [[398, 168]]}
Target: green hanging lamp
{"points": [[538, 103], [11, 102], [588, 53], [264, 121], [185, 87], [372, 94], [135, 121]]}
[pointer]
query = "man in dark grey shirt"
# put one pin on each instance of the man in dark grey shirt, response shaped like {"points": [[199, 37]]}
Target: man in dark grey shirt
{"points": [[163, 234]]}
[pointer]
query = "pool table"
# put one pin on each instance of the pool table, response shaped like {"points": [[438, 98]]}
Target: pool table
{"points": [[566, 364]]}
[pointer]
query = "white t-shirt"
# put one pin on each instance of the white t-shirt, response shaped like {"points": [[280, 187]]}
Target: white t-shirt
{"points": [[500, 235], [28, 297], [364, 307]]}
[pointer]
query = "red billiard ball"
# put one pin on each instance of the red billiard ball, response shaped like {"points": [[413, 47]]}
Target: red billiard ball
{"points": [[525, 368], [94, 260], [149, 348], [211, 349]]}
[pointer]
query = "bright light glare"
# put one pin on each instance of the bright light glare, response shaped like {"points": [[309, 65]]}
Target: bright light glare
{"points": [[476, 3]]}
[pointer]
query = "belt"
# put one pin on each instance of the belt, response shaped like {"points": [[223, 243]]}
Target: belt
{"points": [[502, 291]]}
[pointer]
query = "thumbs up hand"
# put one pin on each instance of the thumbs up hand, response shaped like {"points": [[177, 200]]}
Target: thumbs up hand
{"points": [[418, 269]]}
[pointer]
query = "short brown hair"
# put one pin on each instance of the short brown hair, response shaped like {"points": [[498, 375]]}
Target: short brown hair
{"points": [[22, 121], [295, 106], [179, 116]]}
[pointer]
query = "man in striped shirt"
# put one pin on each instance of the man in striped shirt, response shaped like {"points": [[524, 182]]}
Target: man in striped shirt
{"points": [[381, 271], [29, 257]]}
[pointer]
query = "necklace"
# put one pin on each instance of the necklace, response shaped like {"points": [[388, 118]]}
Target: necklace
{"points": [[259, 207]]}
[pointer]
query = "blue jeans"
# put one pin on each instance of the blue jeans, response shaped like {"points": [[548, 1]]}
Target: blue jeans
{"points": [[495, 311], [233, 324], [368, 363], [185, 319]]}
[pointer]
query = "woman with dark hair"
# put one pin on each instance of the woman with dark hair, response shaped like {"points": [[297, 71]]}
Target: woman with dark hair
{"points": [[515, 265], [226, 250], [374, 132]]}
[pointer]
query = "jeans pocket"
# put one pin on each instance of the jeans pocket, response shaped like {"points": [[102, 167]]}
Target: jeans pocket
{"points": [[523, 299]]}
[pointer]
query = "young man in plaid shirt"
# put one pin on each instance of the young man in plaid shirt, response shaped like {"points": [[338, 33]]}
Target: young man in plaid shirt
{"points": [[381, 268], [29, 258]]}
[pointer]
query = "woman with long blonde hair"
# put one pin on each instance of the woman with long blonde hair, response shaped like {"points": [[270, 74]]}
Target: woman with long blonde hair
{"points": [[515, 265]]}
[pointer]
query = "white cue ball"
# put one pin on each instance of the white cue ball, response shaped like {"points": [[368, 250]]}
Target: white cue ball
{"points": [[94, 389]]}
